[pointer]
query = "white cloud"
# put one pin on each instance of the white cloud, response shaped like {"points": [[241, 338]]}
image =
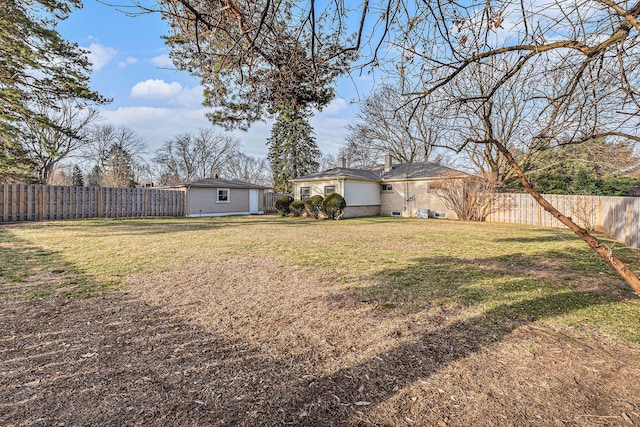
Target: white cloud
{"points": [[336, 106], [330, 132], [162, 61], [155, 89], [156, 125], [100, 55], [128, 61], [189, 97]]}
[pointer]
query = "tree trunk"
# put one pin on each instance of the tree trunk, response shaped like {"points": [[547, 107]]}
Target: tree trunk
{"points": [[605, 252]]}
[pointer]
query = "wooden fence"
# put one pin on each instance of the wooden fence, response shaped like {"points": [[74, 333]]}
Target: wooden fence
{"points": [[22, 202], [617, 217], [270, 200]]}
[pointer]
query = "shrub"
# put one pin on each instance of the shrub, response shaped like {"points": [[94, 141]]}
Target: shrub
{"points": [[282, 205], [313, 205], [296, 207], [470, 198], [333, 206]]}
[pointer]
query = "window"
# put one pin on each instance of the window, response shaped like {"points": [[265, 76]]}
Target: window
{"points": [[329, 189], [387, 187], [305, 193], [223, 195]]}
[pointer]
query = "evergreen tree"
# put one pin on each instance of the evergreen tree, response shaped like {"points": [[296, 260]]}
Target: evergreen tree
{"points": [[38, 68], [293, 151], [15, 165], [594, 168], [77, 177], [94, 178], [118, 168]]}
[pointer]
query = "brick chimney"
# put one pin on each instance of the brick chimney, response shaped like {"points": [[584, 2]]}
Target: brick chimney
{"points": [[341, 162], [388, 163]]}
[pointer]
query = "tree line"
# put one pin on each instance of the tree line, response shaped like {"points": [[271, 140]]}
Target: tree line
{"points": [[51, 122], [50, 130]]}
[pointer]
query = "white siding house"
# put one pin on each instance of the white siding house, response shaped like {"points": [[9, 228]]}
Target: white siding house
{"points": [[387, 190]]}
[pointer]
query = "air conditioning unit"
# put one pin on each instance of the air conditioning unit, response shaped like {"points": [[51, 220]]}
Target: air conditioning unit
{"points": [[437, 214]]}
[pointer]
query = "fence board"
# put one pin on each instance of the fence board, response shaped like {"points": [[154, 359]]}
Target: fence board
{"points": [[22, 202], [270, 199], [618, 217]]}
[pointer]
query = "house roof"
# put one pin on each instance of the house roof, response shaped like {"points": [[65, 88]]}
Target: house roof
{"points": [[363, 174], [417, 170], [403, 171], [218, 183]]}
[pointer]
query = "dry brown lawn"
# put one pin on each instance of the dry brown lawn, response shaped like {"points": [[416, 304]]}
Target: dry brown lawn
{"points": [[252, 340]]}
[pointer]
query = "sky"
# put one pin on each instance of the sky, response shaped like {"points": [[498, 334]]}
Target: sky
{"points": [[131, 65]]}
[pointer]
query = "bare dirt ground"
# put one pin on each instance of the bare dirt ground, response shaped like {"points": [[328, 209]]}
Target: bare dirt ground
{"points": [[250, 342]]}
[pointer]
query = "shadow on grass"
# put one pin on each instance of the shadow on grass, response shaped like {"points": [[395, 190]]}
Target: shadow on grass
{"points": [[379, 378], [502, 299], [121, 361], [27, 270], [482, 280], [151, 226], [542, 238]]}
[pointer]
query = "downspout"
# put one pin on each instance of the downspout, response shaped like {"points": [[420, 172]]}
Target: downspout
{"points": [[406, 197], [186, 200]]}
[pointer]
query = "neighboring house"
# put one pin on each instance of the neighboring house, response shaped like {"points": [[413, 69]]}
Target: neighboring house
{"points": [[220, 197], [388, 190]]}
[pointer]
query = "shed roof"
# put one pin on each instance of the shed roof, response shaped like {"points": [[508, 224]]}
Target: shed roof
{"points": [[218, 183]]}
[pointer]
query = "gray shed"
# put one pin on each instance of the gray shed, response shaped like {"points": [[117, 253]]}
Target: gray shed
{"points": [[221, 197]]}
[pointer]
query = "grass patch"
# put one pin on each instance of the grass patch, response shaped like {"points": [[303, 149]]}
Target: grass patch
{"points": [[32, 271], [494, 272]]}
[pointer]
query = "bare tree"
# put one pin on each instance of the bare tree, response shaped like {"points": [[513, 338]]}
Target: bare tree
{"points": [[391, 123], [511, 115], [587, 92], [358, 155], [192, 156], [328, 161], [119, 169], [109, 145], [249, 169], [56, 133], [59, 176], [470, 198]]}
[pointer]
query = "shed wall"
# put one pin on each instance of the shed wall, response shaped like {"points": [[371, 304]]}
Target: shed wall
{"points": [[202, 201]]}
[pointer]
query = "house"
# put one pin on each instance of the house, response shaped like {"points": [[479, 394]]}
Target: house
{"points": [[221, 197], [404, 190]]}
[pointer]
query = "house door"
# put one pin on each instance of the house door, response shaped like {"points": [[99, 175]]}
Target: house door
{"points": [[253, 201]]}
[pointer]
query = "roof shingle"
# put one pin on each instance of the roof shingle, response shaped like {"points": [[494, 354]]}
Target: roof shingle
{"points": [[416, 170]]}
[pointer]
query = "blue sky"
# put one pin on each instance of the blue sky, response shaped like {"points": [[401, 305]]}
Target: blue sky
{"points": [[131, 65]]}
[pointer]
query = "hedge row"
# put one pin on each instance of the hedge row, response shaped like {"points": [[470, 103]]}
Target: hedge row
{"points": [[331, 207]]}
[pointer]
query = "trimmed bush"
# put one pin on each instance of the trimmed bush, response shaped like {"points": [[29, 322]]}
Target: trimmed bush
{"points": [[282, 205], [313, 206], [333, 206], [296, 207]]}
